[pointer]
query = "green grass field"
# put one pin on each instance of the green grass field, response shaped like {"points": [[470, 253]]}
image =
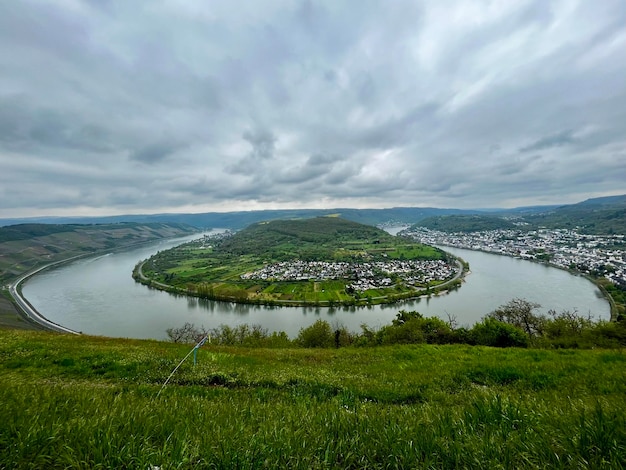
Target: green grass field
{"points": [[89, 402]]}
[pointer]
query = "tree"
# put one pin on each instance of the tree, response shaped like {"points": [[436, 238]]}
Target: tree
{"points": [[519, 313], [188, 333]]}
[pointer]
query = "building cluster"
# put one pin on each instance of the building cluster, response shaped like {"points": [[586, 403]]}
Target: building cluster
{"points": [[591, 254], [364, 276]]}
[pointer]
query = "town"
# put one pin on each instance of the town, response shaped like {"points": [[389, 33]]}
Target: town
{"points": [[365, 276], [598, 255]]}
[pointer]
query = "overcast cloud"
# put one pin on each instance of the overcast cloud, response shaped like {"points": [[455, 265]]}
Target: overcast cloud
{"points": [[160, 106]]}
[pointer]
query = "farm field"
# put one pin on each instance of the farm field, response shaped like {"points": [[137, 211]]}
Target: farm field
{"points": [[289, 262]]}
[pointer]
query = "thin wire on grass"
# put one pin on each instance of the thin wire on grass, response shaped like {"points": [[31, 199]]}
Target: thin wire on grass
{"points": [[195, 348]]}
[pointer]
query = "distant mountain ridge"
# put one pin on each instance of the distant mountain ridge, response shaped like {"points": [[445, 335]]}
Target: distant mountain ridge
{"points": [[241, 219], [600, 216], [603, 201], [602, 213]]}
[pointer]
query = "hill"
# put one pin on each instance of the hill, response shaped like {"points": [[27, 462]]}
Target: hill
{"points": [[465, 223], [28, 246], [88, 402], [241, 219], [23, 247], [301, 238], [322, 261], [550, 215], [600, 216]]}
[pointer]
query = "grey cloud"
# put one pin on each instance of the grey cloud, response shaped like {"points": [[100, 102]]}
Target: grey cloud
{"points": [[262, 142], [384, 104], [255, 162], [25, 126], [554, 140], [155, 152]]}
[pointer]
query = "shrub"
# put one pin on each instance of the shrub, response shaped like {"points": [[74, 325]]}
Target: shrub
{"points": [[406, 333], [413, 327], [318, 335], [492, 332]]}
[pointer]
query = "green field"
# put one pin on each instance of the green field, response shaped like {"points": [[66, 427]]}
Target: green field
{"points": [[89, 402], [214, 269]]}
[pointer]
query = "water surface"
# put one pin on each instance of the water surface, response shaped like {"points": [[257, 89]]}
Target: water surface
{"points": [[98, 296]]}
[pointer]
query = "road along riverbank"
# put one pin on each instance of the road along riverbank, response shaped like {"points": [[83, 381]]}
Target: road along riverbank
{"points": [[30, 312]]}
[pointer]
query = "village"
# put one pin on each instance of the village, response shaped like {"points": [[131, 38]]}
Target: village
{"points": [[564, 248], [364, 276]]}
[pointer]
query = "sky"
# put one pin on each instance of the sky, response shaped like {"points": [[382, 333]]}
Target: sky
{"points": [[124, 107]]}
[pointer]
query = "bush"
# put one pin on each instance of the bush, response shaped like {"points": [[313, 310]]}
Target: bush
{"points": [[491, 332], [318, 335], [368, 336], [413, 327], [406, 333], [608, 334]]}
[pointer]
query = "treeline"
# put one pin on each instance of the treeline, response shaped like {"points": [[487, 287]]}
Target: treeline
{"points": [[515, 324]]}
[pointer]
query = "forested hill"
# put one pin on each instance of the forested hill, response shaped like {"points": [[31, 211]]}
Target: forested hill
{"points": [[26, 246], [301, 235], [605, 215], [465, 223], [600, 216]]}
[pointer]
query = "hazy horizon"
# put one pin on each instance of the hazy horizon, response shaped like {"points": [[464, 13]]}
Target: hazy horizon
{"points": [[149, 107]]}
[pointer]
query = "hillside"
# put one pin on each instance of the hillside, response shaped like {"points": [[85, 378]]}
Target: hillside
{"points": [[600, 216], [241, 219], [23, 247], [594, 216], [322, 261], [298, 238], [87, 402], [28, 246], [465, 223]]}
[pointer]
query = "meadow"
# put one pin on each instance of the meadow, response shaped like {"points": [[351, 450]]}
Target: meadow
{"points": [[93, 402]]}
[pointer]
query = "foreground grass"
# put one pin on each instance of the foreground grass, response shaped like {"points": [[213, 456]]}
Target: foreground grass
{"points": [[84, 402]]}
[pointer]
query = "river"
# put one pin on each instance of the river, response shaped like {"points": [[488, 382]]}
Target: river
{"points": [[98, 296]]}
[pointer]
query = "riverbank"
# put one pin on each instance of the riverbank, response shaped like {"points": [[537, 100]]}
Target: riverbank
{"points": [[22, 312], [614, 306], [26, 309]]}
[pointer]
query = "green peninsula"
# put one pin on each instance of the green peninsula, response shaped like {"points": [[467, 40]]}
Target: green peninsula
{"points": [[320, 261]]}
